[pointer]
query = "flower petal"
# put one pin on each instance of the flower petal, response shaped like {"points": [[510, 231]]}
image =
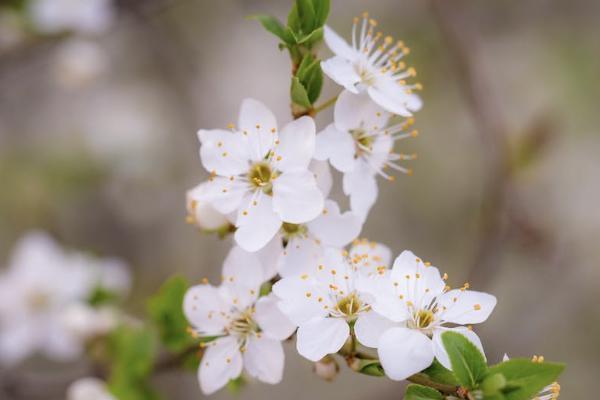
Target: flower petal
{"points": [[371, 254], [370, 326], [358, 111], [244, 273], [264, 359], [295, 304], [259, 127], [273, 323], [322, 173], [404, 352], [224, 152], [440, 350], [296, 145], [221, 362], [418, 282], [223, 194], [300, 255], [392, 97], [342, 72], [361, 186], [260, 223], [334, 228], [202, 306], [338, 147], [321, 336], [466, 306], [204, 214], [270, 257], [338, 45], [296, 197]]}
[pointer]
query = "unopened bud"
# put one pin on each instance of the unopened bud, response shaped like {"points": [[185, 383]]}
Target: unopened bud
{"points": [[327, 368]]}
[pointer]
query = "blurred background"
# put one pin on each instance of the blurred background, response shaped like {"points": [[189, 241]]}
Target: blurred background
{"points": [[98, 147]]}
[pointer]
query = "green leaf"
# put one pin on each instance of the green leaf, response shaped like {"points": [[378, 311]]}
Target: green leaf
{"points": [[419, 392], [132, 351], [100, 296], [293, 20], [525, 378], [312, 38], [321, 8], [467, 362], [166, 311], [438, 373], [273, 25], [298, 92], [493, 383], [370, 367], [306, 15], [311, 77]]}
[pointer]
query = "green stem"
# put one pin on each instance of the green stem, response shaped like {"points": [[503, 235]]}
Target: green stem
{"points": [[325, 105], [422, 379]]}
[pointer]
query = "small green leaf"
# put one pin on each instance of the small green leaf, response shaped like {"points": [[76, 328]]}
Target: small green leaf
{"points": [[273, 25], [306, 15], [525, 378], [312, 38], [166, 311], [467, 362], [236, 385], [420, 392], [321, 8], [370, 367], [438, 373], [493, 383], [293, 20], [311, 77], [298, 92], [100, 296]]}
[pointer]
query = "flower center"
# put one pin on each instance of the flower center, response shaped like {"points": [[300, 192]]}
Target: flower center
{"points": [[350, 306], [292, 230], [244, 324], [424, 318], [362, 141], [367, 77], [261, 177], [38, 301]]}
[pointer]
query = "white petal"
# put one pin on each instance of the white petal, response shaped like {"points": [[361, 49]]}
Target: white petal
{"points": [[370, 326], [296, 197], [338, 147], [273, 323], [438, 345], [361, 186], [270, 257], [342, 72], [18, 340], [404, 352], [296, 145], [334, 228], [466, 306], [322, 173], [202, 306], [321, 336], [300, 256], [259, 127], [244, 272], [260, 223], [391, 97], [423, 282], [371, 254], [221, 362], [358, 111], [295, 304], [264, 359], [223, 194], [338, 45], [224, 152], [59, 344]]}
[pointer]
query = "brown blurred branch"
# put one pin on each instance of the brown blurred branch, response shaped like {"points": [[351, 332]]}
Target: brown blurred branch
{"points": [[464, 45]]}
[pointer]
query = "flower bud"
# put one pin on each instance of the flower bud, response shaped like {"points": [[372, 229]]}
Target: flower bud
{"points": [[327, 368], [202, 214]]}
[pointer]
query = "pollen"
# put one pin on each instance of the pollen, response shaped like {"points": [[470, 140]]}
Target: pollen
{"points": [[257, 126], [308, 294], [477, 307]]}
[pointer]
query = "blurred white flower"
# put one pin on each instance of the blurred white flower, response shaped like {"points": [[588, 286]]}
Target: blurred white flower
{"points": [[261, 173], [323, 302], [78, 62], [249, 329], [360, 145], [81, 16], [366, 66], [85, 321], [417, 300], [41, 283], [202, 213], [89, 389]]}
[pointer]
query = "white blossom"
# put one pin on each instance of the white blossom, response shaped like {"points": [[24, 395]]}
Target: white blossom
{"points": [[416, 300], [79, 62], [323, 302], [55, 16], [366, 65], [89, 389], [248, 328], [40, 284], [360, 144], [261, 173]]}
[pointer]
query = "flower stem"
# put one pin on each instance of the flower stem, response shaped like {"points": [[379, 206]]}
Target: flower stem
{"points": [[325, 105], [424, 380]]}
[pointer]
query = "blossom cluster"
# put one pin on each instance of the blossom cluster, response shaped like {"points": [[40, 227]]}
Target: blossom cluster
{"points": [[51, 300], [269, 185]]}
